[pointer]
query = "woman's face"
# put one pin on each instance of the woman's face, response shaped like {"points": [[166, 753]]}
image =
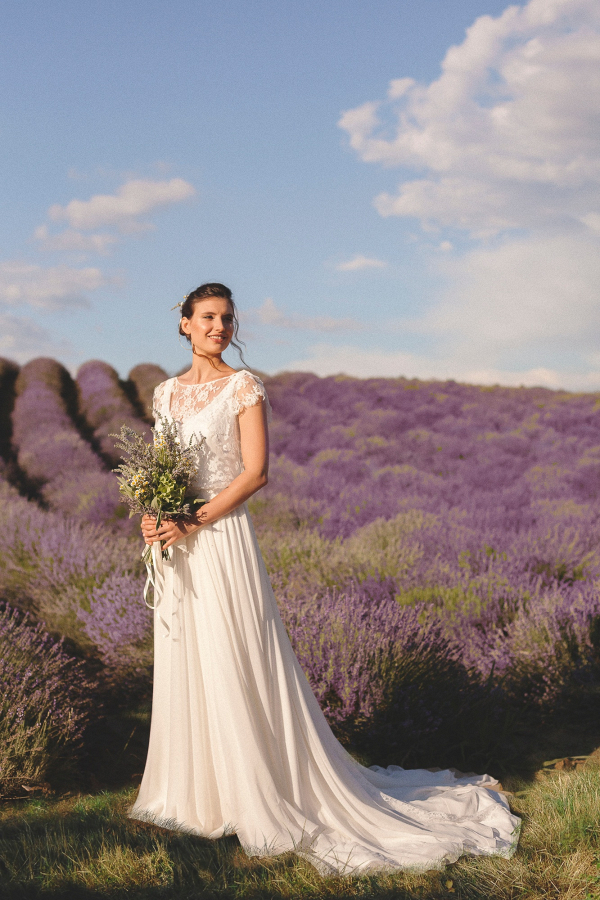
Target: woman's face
{"points": [[210, 326]]}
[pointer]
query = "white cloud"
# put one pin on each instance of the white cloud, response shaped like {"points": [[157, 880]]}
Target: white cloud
{"points": [[326, 359], [50, 288], [505, 147], [359, 262], [123, 210], [530, 293], [592, 220], [270, 314], [22, 339], [510, 314], [507, 135], [72, 240]]}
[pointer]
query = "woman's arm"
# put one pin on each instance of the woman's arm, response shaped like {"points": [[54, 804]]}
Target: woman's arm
{"points": [[255, 454]]}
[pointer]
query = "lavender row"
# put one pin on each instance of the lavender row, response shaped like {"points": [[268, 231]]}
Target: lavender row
{"points": [[51, 428], [59, 464], [83, 581], [358, 450], [395, 681], [45, 700], [8, 376], [106, 407]]}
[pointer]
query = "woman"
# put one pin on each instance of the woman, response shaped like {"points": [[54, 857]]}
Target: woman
{"points": [[238, 742]]}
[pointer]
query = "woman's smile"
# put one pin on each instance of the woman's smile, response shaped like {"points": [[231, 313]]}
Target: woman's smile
{"points": [[211, 325]]}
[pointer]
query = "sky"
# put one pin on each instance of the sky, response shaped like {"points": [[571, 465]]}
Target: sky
{"points": [[393, 187]]}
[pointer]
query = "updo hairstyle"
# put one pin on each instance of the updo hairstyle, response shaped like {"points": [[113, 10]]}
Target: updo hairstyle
{"points": [[212, 289]]}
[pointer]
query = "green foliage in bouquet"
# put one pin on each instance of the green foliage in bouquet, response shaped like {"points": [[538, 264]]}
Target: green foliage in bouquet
{"points": [[154, 479]]}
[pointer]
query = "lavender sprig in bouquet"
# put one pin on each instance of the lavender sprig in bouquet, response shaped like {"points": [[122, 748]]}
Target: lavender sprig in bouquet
{"points": [[154, 479]]}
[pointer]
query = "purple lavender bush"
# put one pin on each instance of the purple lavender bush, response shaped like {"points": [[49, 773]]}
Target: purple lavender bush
{"points": [[106, 407], [45, 702], [548, 642], [59, 568], [388, 678], [118, 621], [59, 464], [365, 449]]}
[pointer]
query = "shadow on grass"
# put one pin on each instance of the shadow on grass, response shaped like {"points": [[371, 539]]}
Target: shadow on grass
{"points": [[87, 848], [571, 727], [115, 750], [510, 742]]}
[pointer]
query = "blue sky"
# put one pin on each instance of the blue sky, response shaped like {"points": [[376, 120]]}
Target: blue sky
{"points": [[386, 193]]}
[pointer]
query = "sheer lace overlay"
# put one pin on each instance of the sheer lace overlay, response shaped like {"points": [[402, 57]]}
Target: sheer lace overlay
{"points": [[211, 412]]}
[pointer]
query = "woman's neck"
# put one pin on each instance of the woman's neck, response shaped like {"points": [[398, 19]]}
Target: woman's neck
{"points": [[205, 369]]}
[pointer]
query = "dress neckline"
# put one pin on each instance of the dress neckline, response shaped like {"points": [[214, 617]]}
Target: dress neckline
{"points": [[203, 383]]}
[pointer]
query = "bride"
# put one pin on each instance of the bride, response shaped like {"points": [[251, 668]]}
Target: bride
{"points": [[238, 742]]}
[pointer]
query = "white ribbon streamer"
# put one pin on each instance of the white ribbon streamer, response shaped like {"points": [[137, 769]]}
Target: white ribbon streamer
{"points": [[156, 579]]}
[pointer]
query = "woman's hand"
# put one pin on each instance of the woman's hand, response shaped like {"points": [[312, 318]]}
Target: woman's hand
{"points": [[170, 530], [148, 526]]}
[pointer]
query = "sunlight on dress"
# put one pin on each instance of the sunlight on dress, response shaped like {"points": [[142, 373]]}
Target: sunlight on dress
{"points": [[238, 742]]}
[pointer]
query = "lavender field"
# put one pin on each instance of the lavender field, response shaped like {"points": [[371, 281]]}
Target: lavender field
{"points": [[434, 548]]}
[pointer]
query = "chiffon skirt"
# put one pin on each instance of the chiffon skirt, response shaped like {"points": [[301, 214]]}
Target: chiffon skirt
{"points": [[238, 742]]}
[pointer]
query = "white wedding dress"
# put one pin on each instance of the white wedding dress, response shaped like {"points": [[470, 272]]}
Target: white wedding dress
{"points": [[238, 742]]}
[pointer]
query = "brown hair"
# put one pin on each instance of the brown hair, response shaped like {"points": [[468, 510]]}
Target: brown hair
{"points": [[212, 289]]}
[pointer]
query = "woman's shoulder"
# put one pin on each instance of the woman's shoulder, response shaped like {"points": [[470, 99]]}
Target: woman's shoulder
{"points": [[246, 377]]}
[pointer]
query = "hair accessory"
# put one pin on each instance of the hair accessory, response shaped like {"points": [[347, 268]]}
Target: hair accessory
{"points": [[181, 302]]}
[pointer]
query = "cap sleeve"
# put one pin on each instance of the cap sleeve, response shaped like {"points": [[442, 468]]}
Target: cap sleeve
{"points": [[249, 391]]}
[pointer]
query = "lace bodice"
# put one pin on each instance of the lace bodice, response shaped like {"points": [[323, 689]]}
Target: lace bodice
{"points": [[211, 411]]}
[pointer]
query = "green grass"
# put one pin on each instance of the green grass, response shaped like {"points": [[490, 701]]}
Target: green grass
{"points": [[86, 847]]}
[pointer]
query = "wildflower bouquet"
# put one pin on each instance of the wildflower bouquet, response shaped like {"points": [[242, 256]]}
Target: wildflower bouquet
{"points": [[154, 479]]}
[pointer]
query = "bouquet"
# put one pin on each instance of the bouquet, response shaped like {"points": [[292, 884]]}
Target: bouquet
{"points": [[154, 479]]}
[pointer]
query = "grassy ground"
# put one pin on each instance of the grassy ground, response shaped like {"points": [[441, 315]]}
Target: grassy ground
{"points": [[86, 847], [82, 845]]}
